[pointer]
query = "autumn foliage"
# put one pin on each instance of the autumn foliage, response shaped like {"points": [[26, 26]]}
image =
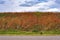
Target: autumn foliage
{"points": [[30, 21]]}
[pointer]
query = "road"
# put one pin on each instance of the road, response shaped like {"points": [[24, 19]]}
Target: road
{"points": [[29, 37]]}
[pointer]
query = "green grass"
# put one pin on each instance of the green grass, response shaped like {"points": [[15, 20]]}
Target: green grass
{"points": [[18, 32]]}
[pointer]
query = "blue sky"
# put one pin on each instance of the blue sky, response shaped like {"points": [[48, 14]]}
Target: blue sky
{"points": [[29, 5]]}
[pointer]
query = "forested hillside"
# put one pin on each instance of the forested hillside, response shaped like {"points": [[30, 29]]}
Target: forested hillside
{"points": [[30, 21]]}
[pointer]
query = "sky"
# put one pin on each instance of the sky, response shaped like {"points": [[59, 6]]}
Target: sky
{"points": [[29, 5]]}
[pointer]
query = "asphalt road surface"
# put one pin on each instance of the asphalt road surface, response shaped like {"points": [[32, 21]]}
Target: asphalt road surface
{"points": [[29, 37]]}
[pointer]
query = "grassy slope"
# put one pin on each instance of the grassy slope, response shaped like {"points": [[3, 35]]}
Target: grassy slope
{"points": [[30, 23]]}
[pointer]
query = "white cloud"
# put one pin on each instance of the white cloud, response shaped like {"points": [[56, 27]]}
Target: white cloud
{"points": [[13, 5], [43, 6], [53, 10]]}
